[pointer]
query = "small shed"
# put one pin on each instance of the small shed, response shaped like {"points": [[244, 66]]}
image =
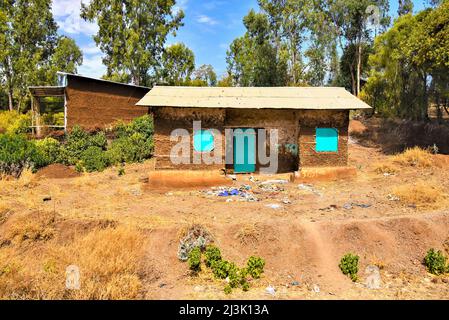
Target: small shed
{"points": [[311, 125], [88, 102]]}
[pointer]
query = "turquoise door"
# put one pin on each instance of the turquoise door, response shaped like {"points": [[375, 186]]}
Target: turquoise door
{"points": [[244, 150]]}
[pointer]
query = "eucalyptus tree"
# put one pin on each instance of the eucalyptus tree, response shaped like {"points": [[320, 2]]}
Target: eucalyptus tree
{"points": [[132, 34]]}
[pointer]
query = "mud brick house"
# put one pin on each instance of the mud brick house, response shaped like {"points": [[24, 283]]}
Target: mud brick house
{"points": [[88, 102], [312, 124]]}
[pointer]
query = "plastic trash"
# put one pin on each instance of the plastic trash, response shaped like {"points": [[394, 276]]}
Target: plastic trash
{"points": [[274, 206], [270, 290]]}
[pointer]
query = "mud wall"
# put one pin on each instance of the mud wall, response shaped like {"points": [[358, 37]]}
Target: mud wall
{"points": [[94, 104], [310, 120], [167, 119]]}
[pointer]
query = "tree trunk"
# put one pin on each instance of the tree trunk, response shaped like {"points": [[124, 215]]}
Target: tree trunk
{"points": [[359, 66], [10, 100], [424, 109]]}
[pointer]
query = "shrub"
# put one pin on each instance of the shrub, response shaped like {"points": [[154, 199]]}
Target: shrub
{"points": [[77, 142], [227, 289], [212, 254], [13, 122], [143, 125], [415, 157], [50, 149], [18, 153], [94, 159], [435, 261], [195, 259], [222, 268], [422, 194], [349, 265], [255, 267], [134, 148]]}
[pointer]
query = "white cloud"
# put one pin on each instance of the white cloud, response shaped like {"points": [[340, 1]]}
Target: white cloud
{"points": [[206, 20], [67, 15], [91, 49], [92, 67], [180, 5]]}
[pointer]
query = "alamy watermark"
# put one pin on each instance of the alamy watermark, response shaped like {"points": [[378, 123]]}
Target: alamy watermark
{"points": [[238, 146]]}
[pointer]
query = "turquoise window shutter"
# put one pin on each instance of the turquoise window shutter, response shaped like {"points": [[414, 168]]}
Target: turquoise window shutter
{"points": [[203, 141], [326, 140]]}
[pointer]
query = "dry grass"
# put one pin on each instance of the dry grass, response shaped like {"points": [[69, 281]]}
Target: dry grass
{"points": [[249, 234], [422, 194], [33, 263], [414, 157], [385, 168]]}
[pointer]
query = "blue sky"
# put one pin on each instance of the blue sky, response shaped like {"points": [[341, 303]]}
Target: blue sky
{"points": [[210, 26]]}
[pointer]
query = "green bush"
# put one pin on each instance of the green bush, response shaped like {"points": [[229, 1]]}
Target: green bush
{"points": [[50, 149], [94, 159], [349, 265], [435, 261], [227, 289], [13, 122], [222, 268], [18, 153], [195, 259], [77, 142], [134, 148], [143, 125], [255, 267], [213, 255]]}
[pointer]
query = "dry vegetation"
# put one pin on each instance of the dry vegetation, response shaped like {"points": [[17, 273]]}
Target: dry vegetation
{"points": [[124, 235], [422, 194], [35, 253]]}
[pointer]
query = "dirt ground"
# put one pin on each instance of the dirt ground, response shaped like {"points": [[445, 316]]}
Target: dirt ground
{"points": [[302, 240]]}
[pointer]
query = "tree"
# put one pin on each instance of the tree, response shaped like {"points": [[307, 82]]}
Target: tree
{"points": [[205, 76], [30, 45], [178, 64], [132, 34], [253, 59], [405, 7], [66, 57], [410, 65]]}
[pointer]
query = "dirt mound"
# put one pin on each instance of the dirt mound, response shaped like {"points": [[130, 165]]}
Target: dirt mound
{"points": [[165, 180], [57, 171], [357, 127]]}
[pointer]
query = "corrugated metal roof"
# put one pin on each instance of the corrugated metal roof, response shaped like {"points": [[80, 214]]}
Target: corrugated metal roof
{"points": [[320, 98], [101, 80]]}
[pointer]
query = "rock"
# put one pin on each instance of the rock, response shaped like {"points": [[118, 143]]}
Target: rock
{"points": [[316, 288], [295, 283], [347, 206], [198, 289], [274, 206], [270, 290], [373, 279]]}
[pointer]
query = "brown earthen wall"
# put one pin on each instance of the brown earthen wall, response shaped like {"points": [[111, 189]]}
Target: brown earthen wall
{"points": [[310, 120], [168, 119], [94, 104]]}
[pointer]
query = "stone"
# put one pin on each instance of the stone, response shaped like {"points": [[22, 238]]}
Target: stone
{"points": [[316, 288], [270, 290], [373, 279]]}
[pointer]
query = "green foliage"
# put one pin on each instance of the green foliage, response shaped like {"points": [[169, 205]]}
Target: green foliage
{"points": [[14, 122], [132, 35], [18, 153], [134, 141], [205, 76], [77, 142], [30, 49], [255, 266], [227, 289], [195, 259], [94, 159], [213, 255], [50, 149], [349, 265], [410, 66], [178, 64], [435, 261]]}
